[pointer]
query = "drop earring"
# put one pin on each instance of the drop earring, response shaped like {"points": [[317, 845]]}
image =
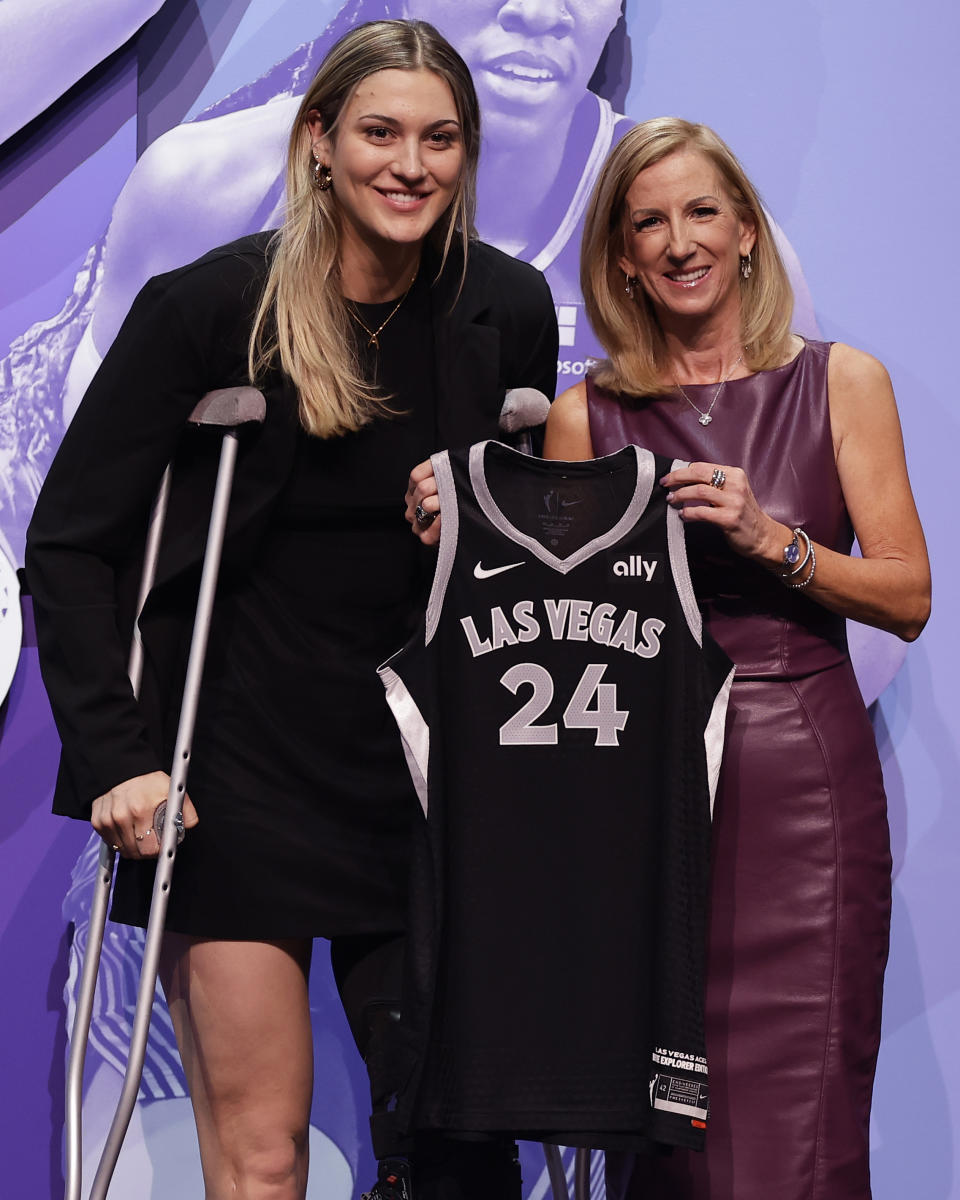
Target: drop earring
{"points": [[746, 264]]}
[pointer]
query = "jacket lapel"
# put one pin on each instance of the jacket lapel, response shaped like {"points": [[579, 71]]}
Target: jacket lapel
{"points": [[469, 390]]}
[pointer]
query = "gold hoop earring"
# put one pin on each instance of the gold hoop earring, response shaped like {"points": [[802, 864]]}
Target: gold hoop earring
{"points": [[322, 176]]}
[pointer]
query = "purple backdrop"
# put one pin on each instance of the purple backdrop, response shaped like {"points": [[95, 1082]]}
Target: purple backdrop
{"points": [[140, 134]]}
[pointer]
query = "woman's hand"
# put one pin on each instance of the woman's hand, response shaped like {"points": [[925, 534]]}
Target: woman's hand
{"points": [[423, 504], [722, 496], [124, 816]]}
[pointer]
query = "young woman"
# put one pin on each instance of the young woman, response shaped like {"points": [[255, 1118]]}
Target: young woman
{"points": [[378, 329]]}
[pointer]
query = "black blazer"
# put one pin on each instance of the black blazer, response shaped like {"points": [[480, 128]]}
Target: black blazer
{"points": [[186, 334]]}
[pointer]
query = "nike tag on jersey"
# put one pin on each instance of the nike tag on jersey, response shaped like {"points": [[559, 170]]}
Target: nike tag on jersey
{"points": [[481, 572]]}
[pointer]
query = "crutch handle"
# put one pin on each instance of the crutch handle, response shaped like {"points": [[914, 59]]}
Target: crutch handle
{"points": [[524, 409], [229, 407]]}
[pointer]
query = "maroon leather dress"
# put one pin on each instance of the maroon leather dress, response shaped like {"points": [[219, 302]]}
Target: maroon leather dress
{"points": [[800, 903]]}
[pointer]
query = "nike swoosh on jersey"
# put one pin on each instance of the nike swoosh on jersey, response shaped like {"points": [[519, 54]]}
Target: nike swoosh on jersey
{"points": [[480, 572]]}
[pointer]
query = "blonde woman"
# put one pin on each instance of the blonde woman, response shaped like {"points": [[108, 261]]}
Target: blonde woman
{"points": [[794, 447], [378, 329]]}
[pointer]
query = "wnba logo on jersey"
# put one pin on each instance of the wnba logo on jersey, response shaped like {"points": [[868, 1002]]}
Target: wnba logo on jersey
{"points": [[635, 566]]}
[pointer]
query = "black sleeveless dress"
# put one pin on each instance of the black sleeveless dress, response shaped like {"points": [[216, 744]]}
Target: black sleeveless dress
{"points": [[297, 772]]}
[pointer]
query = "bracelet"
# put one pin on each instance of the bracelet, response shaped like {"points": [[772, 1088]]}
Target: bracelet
{"points": [[812, 557]]}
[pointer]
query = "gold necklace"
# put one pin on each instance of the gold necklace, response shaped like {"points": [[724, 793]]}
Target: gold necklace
{"points": [[374, 333], [705, 418]]}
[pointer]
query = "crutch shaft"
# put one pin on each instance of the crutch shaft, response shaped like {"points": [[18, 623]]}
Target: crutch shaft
{"points": [[81, 1023], [151, 555], [555, 1172], [175, 796], [80, 1033], [581, 1174]]}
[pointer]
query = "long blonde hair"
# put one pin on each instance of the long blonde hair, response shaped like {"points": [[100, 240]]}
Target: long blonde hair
{"points": [[629, 329], [302, 317]]}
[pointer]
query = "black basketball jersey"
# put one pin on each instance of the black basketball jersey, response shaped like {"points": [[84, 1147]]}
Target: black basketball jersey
{"points": [[562, 714]]}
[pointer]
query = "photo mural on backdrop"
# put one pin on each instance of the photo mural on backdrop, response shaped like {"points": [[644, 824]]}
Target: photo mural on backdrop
{"points": [[205, 167], [548, 84]]}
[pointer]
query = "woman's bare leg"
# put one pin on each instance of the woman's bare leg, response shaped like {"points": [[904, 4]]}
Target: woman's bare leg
{"points": [[242, 1019]]}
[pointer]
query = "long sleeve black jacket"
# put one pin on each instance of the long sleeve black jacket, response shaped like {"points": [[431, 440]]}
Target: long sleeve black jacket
{"points": [[187, 334]]}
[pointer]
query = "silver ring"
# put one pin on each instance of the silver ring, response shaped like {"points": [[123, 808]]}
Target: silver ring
{"points": [[423, 517], [718, 478]]}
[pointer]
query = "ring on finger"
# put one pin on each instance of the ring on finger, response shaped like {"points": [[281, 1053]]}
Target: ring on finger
{"points": [[718, 478], [423, 517]]}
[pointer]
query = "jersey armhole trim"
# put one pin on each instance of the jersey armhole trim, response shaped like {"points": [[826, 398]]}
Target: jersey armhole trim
{"points": [[449, 531], [414, 731]]}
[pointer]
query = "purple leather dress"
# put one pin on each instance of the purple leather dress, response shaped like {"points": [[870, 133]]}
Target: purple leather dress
{"points": [[800, 903]]}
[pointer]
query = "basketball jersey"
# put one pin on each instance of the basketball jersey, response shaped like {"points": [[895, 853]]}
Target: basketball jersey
{"points": [[562, 714]]}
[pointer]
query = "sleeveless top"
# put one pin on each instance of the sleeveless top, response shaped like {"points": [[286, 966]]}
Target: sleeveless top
{"points": [[776, 426]]}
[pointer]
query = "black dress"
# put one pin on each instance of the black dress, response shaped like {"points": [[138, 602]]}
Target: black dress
{"points": [[297, 771]]}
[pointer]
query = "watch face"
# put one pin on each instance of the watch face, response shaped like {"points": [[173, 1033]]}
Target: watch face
{"points": [[791, 553]]}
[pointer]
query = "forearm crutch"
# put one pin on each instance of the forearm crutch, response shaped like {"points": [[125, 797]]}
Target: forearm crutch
{"points": [[226, 408], [557, 1175]]}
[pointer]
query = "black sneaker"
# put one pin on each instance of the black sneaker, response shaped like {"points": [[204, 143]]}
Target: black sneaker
{"points": [[394, 1181]]}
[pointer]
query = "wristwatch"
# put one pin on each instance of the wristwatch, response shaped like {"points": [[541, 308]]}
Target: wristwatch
{"points": [[791, 554]]}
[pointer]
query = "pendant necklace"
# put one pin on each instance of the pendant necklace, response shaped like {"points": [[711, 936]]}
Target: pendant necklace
{"points": [[374, 334], [704, 417]]}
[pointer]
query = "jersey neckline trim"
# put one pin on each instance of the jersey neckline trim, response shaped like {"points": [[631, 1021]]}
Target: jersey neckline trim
{"points": [[635, 507]]}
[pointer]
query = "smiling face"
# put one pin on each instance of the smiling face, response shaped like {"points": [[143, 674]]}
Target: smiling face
{"points": [[396, 158], [530, 59], [683, 239]]}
